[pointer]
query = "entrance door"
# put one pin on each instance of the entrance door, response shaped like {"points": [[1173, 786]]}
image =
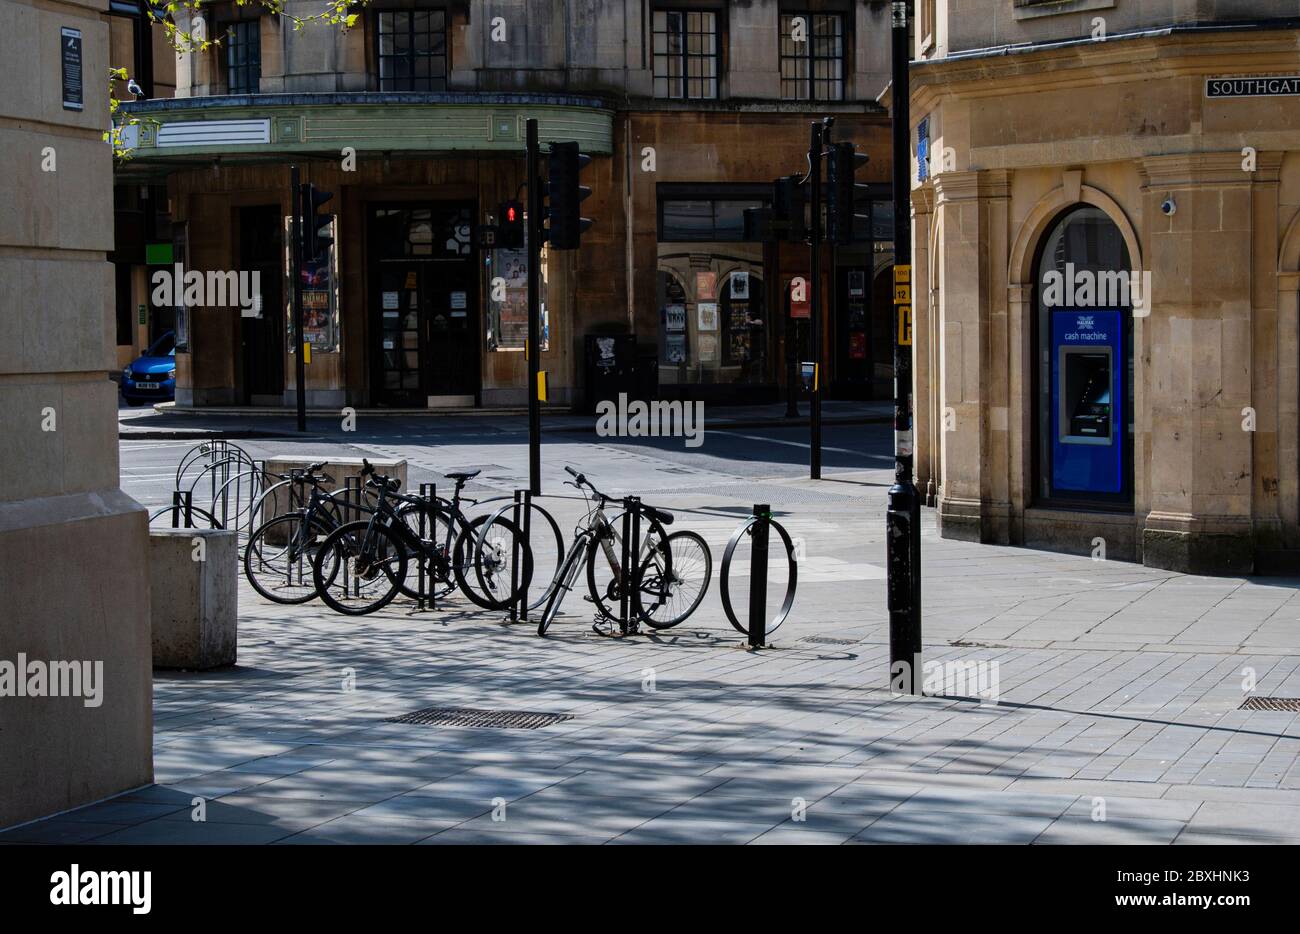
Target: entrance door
{"points": [[262, 338], [424, 305]]}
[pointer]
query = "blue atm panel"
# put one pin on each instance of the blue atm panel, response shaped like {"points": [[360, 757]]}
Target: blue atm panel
{"points": [[1088, 430]]}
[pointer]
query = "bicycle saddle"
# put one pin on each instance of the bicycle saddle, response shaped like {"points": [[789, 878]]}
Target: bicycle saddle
{"points": [[392, 483], [462, 476], [662, 516]]}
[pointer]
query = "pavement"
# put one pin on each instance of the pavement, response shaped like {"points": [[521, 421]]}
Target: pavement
{"points": [[1084, 701]]}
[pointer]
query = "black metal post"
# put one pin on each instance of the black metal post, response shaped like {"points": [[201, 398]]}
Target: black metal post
{"points": [[295, 272], [903, 520], [524, 539], [428, 493], [758, 576], [625, 565], [534, 233], [814, 295]]}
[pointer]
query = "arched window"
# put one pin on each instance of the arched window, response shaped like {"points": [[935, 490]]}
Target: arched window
{"points": [[1083, 380]]}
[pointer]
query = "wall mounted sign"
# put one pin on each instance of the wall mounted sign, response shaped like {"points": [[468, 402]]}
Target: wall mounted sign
{"points": [[70, 40], [1253, 86]]}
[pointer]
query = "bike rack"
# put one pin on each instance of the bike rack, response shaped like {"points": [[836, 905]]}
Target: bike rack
{"points": [[758, 526], [631, 552], [428, 493], [523, 502], [521, 506]]}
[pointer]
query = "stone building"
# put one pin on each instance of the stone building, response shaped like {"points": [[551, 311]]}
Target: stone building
{"points": [[74, 587], [414, 120], [1107, 216]]}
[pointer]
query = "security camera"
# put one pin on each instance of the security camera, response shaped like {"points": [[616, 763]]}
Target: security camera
{"points": [[1167, 207]]}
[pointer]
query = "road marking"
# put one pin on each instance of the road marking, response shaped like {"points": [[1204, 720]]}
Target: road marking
{"points": [[798, 444]]}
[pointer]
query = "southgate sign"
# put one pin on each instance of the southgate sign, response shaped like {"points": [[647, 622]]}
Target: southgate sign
{"points": [[1254, 86]]}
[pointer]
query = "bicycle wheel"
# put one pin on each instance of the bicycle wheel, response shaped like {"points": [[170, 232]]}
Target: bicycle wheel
{"points": [[484, 564], [672, 580], [277, 559], [564, 582], [437, 577], [359, 568]]}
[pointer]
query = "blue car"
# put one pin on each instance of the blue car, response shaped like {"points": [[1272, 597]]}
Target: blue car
{"points": [[151, 377]]}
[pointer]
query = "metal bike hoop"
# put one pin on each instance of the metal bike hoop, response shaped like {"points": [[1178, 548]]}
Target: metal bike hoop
{"points": [[724, 575], [509, 507]]}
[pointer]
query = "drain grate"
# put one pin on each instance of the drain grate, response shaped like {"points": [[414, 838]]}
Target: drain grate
{"points": [[829, 640], [1281, 704], [480, 719]]}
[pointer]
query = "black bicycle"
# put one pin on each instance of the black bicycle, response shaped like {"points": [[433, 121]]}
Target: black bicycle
{"points": [[669, 574], [361, 566]]}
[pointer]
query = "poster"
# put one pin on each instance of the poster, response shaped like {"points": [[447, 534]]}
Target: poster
{"points": [[674, 317], [675, 348], [390, 300], [739, 316], [740, 286], [458, 300], [708, 348], [740, 346], [857, 345], [708, 316], [706, 286]]}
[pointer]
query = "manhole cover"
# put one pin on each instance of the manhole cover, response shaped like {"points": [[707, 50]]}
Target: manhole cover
{"points": [[1281, 704], [481, 719], [829, 640]]}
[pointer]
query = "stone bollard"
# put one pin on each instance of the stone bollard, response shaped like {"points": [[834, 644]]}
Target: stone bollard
{"points": [[194, 597]]}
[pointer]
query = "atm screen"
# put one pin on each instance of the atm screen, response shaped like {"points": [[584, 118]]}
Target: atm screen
{"points": [[1085, 416]]}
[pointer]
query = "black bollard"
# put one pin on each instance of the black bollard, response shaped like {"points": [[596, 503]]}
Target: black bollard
{"points": [[758, 577]]}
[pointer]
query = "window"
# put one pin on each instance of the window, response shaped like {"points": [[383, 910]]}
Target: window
{"points": [[704, 220], [686, 54], [244, 57], [812, 56], [412, 54]]}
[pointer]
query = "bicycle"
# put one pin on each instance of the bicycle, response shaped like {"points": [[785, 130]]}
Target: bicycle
{"points": [[666, 584], [373, 555], [279, 551]]}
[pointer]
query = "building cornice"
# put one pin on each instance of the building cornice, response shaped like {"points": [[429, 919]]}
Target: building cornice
{"points": [[1081, 63]]}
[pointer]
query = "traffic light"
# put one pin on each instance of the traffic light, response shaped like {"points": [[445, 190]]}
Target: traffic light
{"points": [[315, 235], [844, 163], [510, 226], [789, 201], [566, 222]]}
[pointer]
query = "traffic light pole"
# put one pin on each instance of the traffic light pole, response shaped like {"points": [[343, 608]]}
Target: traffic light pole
{"points": [[532, 167], [903, 519], [295, 272], [814, 294]]}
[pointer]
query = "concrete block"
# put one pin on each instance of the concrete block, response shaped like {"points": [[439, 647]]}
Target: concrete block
{"points": [[194, 598], [339, 468]]}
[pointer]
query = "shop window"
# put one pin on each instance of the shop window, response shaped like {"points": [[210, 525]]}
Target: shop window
{"points": [[244, 57], [704, 219], [812, 56], [1084, 368], [412, 50], [712, 321], [685, 54]]}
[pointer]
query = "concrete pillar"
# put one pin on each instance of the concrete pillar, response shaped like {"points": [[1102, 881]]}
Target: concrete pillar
{"points": [[1201, 462], [72, 544]]}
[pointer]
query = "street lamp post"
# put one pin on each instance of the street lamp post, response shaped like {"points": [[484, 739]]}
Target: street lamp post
{"points": [[903, 519], [814, 296]]}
